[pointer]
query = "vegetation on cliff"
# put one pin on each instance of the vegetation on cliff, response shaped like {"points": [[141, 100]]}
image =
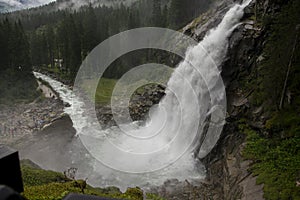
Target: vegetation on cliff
{"points": [[275, 148], [43, 184]]}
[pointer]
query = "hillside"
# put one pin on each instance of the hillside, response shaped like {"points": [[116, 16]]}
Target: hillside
{"points": [[9, 6], [54, 5]]}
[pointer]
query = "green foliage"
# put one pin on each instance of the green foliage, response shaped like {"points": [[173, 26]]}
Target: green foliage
{"points": [[285, 122], [14, 47], [181, 13], [276, 162], [103, 92], [177, 13], [277, 158], [283, 32], [48, 185], [57, 191], [17, 87], [157, 14], [276, 152], [49, 191], [71, 36], [35, 177], [133, 193], [16, 80]]}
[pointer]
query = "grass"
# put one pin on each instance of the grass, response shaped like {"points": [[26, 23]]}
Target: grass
{"points": [[33, 176], [103, 92], [57, 191], [54, 70], [49, 185], [105, 89]]}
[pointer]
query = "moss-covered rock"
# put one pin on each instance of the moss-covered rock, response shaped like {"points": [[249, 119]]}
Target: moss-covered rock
{"points": [[35, 176]]}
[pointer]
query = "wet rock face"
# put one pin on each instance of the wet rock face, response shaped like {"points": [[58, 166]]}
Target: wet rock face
{"points": [[23, 119], [199, 27], [225, 163], [142, 100], [175, 190]]}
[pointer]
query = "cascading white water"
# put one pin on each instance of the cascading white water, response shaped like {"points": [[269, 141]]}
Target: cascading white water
{"points": [[165, 147]]}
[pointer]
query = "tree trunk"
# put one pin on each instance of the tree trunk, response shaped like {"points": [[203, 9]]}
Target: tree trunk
{"points": [[287, 74]]}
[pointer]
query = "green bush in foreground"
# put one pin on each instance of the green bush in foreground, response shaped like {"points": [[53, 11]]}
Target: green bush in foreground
{"points": [[36, 177], [276, 163], [41, 184]]}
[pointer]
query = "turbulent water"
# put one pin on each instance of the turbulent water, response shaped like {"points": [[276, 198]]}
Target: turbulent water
{"points": [[168, 146]]}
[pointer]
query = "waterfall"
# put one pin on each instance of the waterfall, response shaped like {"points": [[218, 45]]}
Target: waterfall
{"points": [[168, 146]]}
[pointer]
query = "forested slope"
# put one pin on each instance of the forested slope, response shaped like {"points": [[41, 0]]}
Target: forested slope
{"points": [[17, 82]]}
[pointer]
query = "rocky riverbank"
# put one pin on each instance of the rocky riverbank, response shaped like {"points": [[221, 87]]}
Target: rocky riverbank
{"points": [[22, 119]]}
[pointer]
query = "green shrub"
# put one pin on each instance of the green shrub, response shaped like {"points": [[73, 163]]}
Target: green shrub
{"points": [[33, 176], [41, 184], [276, 162]]}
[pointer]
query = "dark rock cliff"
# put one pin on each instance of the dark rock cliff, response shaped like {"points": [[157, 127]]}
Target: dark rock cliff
{"points": [[228, 172]]}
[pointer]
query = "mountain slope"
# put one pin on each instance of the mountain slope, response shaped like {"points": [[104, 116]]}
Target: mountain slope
{"points": [[75, 4], [12, 5]]}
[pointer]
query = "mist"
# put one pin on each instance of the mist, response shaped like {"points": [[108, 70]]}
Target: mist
{"points": [[12, 5], [75, 4]]}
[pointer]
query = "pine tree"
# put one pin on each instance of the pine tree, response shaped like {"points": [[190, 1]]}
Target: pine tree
{"points": [[156, 14], [133, 19], [74, 48], [89, 36], [165, 16], [23, 62], [4, 51], [43, 46], [63, 44], [50, 37], [177, 13], [34, 49]]}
